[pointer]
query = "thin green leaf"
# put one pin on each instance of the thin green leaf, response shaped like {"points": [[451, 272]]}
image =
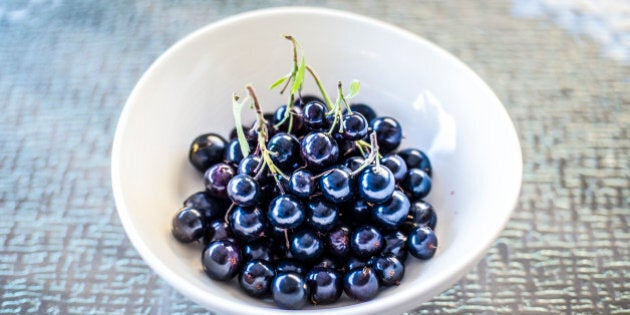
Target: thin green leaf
{"points": [[355, 86], [236, 110], [299, 77], [280, 81]]}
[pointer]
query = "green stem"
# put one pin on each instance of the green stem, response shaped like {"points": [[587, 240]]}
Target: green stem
{"points": [[262, 140], [329, 103]]}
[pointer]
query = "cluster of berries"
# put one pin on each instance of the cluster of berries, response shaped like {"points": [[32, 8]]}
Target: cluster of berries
{"points": [[310, 201]]}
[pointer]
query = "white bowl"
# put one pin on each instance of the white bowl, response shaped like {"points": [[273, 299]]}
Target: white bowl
{"points": [[444, 108]]}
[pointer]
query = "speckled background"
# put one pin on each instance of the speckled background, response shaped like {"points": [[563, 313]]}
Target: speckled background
{"points": [[66, 68]]}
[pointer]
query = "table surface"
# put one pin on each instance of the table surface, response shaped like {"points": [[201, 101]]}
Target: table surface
{"points": [[66, 68]]}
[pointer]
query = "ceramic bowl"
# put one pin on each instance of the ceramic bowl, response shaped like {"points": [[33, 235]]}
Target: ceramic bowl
{"points": [[444, 107]]}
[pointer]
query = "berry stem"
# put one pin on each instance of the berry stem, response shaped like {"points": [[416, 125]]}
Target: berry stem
{"points": [[262, 140], [373, 158], [329, 103]]}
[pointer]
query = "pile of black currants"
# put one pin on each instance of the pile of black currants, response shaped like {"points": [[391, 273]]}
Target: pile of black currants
{"points": [[310, 201]]}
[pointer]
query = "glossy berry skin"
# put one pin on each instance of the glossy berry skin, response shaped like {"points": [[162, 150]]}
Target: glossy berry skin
{"points": [[286, 211], [188, 225], [325, 284], [206, 150], [376, 184], [388, 133], [243, 190], [422, 242], [248, 224], [322, 215], [218, 230], [303, 100], [389, 269], [354, 162], [397, 165], [361, 284], [338, 241], [319, 150], [301, 183], [217, 178], [354, 262], [233, 153], [336, 185], [298, 120], [364, 110], [417, 184], [346, 147], [206, 204], [221, 260], [422, 213], [306, 245], [366, 241], [287, 149], [256, 277], [396, 244], [392, 213], [315, 116], [257, 250], [355, 126], [290, 265], [290, 291], [415, 158], [249, 165]]}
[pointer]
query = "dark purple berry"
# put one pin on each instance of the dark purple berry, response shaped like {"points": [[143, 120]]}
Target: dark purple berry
{"points": [[206, 150], [361, 284], [296, 116], [286, 150], [221, 260], [322, 215], [306, 245], [391, 214], [286, 211], [315, 116], [290, 291], [208, 206], [256, 277], [366, 241], [217, 178], [218, 230], [326, 285], [233, 153], [422, 213], [396, 244], [355, 127], [415, 158], [188, 225], [389, 269], [417, 184], [319, 150], [397, 165], [302, 183], [248, 224], [422, 242], [388, 133], [338, 241], [336, 185], [376, 184]]}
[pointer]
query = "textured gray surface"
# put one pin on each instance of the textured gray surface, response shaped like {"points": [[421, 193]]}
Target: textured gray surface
{"points": [[66, 68]]}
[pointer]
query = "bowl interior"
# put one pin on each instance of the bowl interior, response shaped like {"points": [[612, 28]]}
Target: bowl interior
{"points": [[444, 108]]}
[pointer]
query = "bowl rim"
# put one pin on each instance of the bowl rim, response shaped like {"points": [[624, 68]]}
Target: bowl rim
{"points": [[436, 284]]}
